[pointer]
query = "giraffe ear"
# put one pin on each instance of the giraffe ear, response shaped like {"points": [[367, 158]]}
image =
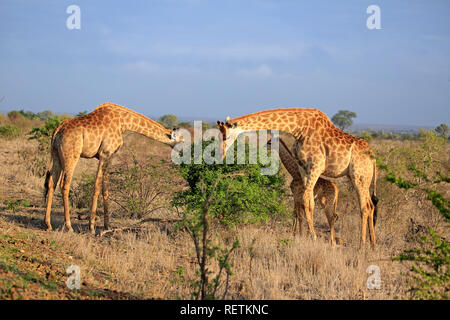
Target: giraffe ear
{"points": [[235, 125]]}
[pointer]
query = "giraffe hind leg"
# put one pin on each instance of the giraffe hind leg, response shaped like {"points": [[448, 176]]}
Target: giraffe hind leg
{"points": [[65, 189], [51, 181], [308, 198], [330, 204], [362, 184]]}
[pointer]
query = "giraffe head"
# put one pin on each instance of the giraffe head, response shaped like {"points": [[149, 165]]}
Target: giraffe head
{"points": [[175, 136], [229, 132]]}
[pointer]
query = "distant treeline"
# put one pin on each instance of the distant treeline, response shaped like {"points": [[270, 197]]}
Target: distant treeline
{"points": [[19, 121], [368, 135]]}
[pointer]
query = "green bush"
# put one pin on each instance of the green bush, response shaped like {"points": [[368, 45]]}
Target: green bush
{"points": [[3, 119], [243, 194], [9, 131], [366, 136], [43, 135], [14, 205], [430, 272], [169, 121]]}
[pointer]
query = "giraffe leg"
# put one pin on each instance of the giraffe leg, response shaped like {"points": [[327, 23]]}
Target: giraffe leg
{"points": [[297, 191], [362, 184], [308, 198], [299, 212], [295, 206], [298, 222], [65, 189], [330, 198], [53, 178], [97, 186], [308, 203], [331, 217], [105, 194]]}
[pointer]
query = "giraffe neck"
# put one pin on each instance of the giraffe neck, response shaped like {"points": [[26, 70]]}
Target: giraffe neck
{"points": [[133, 121], [288, 160], [147, 127], [284, 150], [288, 120]]}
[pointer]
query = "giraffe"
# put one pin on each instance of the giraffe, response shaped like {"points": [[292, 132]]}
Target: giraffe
{"points": [[321, 149], [326, 191], [95, 135]]}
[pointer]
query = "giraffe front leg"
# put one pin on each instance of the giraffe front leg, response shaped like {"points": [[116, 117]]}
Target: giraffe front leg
{"points": [[331, 217], [97, 187], [105, 193]]}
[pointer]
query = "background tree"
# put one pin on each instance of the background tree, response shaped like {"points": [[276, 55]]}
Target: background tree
{"points": [[442, 130], [169, 120], [82, 113], [45, 115], [28, 114], [15, 115], [343, 119]]}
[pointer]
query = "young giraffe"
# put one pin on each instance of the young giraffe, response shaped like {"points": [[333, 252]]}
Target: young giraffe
{"points": [[320, 149], [324, 190], [97, 134]]}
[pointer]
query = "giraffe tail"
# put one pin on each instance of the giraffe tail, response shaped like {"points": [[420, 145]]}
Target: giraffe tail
{"points": [[374, 194], [47, 178]]}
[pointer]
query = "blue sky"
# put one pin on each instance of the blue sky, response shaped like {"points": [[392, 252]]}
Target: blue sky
{"points": [[211, 59]]}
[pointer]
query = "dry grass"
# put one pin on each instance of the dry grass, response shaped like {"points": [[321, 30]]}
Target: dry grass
{"points": [[159, 262]]}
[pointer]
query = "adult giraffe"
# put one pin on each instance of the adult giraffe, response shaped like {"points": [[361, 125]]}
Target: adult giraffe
{"points": [[321, 149], [324, 190], [97, 134]]}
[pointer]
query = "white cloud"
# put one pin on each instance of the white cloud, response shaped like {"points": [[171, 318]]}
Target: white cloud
{"points": [[138, 47], [146, 67], [141, 67], [263, 71]]}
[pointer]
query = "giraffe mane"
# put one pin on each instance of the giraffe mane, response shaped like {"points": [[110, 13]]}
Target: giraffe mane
{"points": [[269, 111], [109, 104]]}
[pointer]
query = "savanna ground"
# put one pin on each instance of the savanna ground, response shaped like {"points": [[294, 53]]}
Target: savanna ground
{"points": [[157, 261]]}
